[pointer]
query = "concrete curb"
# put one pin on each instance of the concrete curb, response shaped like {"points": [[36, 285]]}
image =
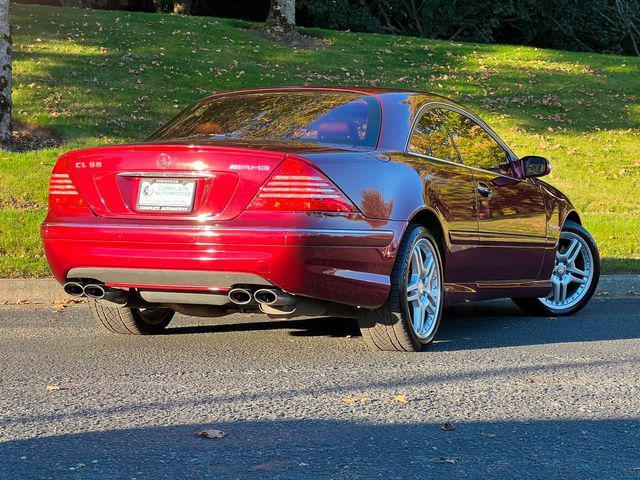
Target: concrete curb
{"points": [[46, 291]]}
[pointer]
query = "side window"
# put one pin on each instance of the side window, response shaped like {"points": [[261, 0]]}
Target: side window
{"points": [[430, 137], [477, 148]]}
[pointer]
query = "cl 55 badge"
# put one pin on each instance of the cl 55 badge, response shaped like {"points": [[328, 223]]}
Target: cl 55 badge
{"points": [[88, 165]]}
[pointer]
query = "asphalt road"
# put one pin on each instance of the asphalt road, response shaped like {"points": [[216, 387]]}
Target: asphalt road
{"points": [[526, 398]]}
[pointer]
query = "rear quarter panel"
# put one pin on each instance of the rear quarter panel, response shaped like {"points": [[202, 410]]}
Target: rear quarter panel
{"points": [[397, 187]]}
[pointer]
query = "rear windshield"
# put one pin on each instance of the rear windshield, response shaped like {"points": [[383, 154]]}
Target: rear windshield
{"points": [[316, 116]]}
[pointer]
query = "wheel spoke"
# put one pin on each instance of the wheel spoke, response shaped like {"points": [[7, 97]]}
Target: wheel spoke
{"points": [[577, 271], [574, 279], [563, 291], [555, 290], [429, 268], [412, 288], [572, 251], [417, 261], [430, 306], [418, 316]]}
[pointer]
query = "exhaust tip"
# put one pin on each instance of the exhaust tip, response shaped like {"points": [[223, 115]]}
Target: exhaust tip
{"points": [[73, 288], [94, 291], [265, 296], [240, 296]]}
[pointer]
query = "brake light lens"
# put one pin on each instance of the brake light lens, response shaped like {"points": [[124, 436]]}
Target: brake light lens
{"points": [[62, 191], [298, 186]]}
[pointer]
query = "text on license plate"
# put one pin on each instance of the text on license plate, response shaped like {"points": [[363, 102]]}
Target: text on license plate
{"points": [[166, 195]]}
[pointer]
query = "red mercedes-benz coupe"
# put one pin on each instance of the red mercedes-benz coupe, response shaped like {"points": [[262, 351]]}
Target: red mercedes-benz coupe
{"points": [[379, 204]]}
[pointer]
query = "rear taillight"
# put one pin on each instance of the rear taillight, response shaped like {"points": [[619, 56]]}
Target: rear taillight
{"points": [[298, 186], [62, 190]]}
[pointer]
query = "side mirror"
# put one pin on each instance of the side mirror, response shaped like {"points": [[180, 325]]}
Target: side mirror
{"points": [[533, 166]]}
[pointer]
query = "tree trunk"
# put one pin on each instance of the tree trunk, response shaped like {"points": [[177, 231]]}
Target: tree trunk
{"points": [[282, 16], [182, 7], [5, 74]]}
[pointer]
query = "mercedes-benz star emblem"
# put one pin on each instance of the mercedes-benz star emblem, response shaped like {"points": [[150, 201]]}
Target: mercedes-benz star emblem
{"points": [[164, 161]]}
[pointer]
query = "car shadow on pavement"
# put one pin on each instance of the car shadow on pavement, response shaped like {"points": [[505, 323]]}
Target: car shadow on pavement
{"points": [[312, 326], [478, 325], [314, 448], [496, 324]]}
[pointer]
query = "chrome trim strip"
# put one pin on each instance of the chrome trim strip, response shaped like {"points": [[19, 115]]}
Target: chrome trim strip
{"points": [[462, 165], [165, 174], [367, 277]]}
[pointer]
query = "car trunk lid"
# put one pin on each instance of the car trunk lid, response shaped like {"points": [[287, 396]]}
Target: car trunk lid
{"points": [[170, 181]]}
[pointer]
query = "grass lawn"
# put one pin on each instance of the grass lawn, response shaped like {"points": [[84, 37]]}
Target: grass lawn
{"points": [[101, 77]]}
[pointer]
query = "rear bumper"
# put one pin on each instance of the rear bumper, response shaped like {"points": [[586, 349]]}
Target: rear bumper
{"points": [[348, 266]]}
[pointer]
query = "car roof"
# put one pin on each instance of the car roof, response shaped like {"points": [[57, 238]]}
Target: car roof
{"points": [[367, 90]]}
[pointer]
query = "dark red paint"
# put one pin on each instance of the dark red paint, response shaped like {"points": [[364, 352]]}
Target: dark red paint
{"points": [[493, 247]]}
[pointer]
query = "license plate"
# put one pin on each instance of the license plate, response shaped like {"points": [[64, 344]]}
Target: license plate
{"points": [[166, 195]]}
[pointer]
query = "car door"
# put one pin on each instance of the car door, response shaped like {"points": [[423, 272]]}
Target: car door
{"points": [[449, 189], [512, 226]]}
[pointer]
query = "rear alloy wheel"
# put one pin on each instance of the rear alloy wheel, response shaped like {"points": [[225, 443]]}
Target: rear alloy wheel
{"points": [[574, 278], [410, 317], [130, 321]]}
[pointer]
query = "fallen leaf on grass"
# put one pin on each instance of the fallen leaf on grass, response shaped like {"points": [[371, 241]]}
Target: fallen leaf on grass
{"points": [[55, 388], [211, 434], [448, 427], [401, 399]]}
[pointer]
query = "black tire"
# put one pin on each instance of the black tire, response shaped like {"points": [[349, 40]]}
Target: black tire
{"points": [[130, 321], [389, 328], [536, 307]]}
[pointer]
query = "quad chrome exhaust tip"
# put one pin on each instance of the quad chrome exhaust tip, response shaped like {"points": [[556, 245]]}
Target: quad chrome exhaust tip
{"points": [[269, 296], [74, 289], [93, 290], [96, 291], [240, 296]]}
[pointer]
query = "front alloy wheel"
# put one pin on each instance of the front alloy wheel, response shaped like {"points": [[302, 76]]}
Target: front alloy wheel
{"points": [[575, 275]]}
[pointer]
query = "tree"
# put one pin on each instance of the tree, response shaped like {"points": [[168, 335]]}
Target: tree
{"points": [[282, 17], [182, 7], [5, 74]]}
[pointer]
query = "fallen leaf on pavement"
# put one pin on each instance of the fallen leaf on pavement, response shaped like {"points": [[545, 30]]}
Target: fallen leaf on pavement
{"points": [[354, 400], [55, 388], [61, 304], [211, 434], [401, 399], [448, 427]]}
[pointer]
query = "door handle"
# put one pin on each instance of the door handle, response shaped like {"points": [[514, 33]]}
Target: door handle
{"points": [[484, 190]]}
